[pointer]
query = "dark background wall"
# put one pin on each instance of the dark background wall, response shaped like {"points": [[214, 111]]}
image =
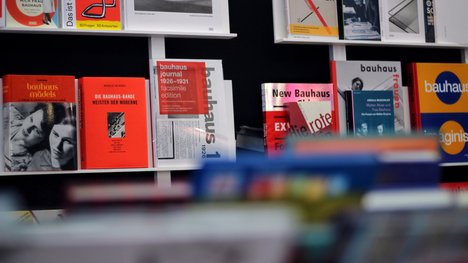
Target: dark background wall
{"points": [[249, 59]]}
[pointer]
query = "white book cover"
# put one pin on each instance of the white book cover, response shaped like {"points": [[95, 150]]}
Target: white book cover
{"points": [[32, 13], [187, 16], [192, 114], [312, 18], [2, 13], [371, 75], [402, 20], [450, 21]]}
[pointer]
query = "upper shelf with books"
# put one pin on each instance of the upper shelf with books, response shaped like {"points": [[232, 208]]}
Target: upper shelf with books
{"points": [[131, 33], [406, 23]]}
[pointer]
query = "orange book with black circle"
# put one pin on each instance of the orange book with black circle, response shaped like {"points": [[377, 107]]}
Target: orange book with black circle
{"points": [[114, 122]]}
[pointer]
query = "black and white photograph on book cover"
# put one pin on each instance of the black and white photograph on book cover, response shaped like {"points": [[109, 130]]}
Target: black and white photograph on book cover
{"points": [[39, 136], [361, 19], [403, 16], [180, 6]]}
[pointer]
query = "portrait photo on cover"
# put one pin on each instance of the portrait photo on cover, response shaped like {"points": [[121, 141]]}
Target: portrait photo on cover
{"points": [[39, 136], [179, 6]]}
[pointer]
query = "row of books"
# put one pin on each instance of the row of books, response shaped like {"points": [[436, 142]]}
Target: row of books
{"points": [[139, 15], [386, 20], [118, 122], [366, 98]]}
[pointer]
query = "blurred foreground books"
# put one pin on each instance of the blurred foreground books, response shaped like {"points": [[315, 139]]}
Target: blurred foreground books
{"points": [[325, 200]]}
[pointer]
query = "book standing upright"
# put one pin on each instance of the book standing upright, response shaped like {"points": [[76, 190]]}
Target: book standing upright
{"points": [[32, 13], [192, 117], [276, 122], [402, 20], [92, 15], [312, 18], [370, 75], [209, 16], [113, 122], [359, 19], [439, 106], [39, 131]]}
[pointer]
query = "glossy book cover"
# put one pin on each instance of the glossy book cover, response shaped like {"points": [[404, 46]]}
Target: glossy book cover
{"points": [[275, 96], [114, 129], [440, 106], [39, 114]]}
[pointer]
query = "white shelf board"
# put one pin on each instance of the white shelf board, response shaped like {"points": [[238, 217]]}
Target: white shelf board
{"points": [[131, 33], [318, 41], [89, 171]]}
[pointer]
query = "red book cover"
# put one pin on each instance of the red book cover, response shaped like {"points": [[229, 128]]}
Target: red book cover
{"points": [[92, 14], [39, 122], [113, 122], [275, 97]]}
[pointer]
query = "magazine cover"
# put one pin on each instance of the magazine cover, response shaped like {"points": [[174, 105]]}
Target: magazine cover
{"points": [[370, 75], [402, 20], [369, 112], [199, 16], [359, 19], [39, 131], [192, 115], [440, 106], [32, 13], [312, 17], [92, 14], [275, 96], [114, 125]]}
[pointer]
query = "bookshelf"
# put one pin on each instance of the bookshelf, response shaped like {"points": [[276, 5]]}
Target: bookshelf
{"points": [[156, 49]]}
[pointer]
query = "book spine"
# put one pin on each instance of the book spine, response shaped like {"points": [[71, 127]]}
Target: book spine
{"points": [[414, 97], [429, 21], [6, 85], [336, 115], [83, 142], [339, 8], [349, 111], [68, 14]]}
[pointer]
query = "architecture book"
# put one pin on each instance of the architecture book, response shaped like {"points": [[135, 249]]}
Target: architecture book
{"points": [[192, 113], [370, 75], [439, 106], [275, 97], [92, 14], [359, 19], [450, 21], [39, 123], [32, 13], [114, 126], [312, 18], [186, 16], [402, 20], [369, 113]]}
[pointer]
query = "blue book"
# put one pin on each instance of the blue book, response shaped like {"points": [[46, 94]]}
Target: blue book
{"points": [[369, 112]]}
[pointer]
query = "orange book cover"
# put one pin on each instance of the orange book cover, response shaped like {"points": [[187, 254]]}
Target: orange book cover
{"points": [[113, 122], [39, 122]]}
